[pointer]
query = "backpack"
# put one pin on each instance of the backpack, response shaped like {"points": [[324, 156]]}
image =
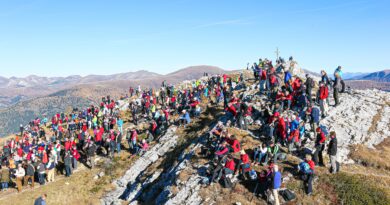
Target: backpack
{"points": [[305, 168], [227, 182], [253, 174], [324, 130], [287, 195]]}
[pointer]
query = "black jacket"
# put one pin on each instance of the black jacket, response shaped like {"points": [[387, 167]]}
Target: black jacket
{"points": [[332, 147]]}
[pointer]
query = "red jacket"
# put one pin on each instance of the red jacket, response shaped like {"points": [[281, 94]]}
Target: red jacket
{"points": [[282, 127], [245, 158], [324, 92], [263, 75], [76, 154], [294, 135], [230, 165], [67, 145], [311, 164], [235, 145], [232, 109]]}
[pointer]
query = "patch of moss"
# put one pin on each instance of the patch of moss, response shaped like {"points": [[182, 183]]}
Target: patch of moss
{"points": [[356, 190]]}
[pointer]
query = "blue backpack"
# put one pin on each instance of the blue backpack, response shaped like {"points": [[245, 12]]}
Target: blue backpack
{"points": [[324, 130], [305, 168]]}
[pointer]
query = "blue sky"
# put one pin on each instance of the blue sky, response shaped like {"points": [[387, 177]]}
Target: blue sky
{"points": [[60, 38]]}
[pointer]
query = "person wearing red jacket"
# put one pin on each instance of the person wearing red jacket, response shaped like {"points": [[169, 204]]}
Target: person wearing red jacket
{"points": [[319, 147], [222, 150], [281, 129], [231, 110], [235, 144], [323, 93], [76, 157], [244, 164], [67, 144]]}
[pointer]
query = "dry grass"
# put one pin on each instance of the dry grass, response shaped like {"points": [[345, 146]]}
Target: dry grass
{"points": [[377, 158]]}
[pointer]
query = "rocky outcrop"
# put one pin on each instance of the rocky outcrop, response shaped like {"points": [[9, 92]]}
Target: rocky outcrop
{"points": [[363, 117], [125, 185]]}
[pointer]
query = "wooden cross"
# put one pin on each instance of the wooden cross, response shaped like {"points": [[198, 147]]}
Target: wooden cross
{"points": [[277, 53]]}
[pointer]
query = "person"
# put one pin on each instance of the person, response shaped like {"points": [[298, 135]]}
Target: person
{"points": [[41, 169], [244, 164], [336, 85], [20, 173], [309, 86], [306, 172], [144, 146], [326, 81], [260, 153], [323, 96], [68, 164], [332, 151], [319, 147], [30, 172], [276, 183], [41, 200], [5, 177], [338, 74], [185, 118], [91, 150], [272, 152], [50, 170]]}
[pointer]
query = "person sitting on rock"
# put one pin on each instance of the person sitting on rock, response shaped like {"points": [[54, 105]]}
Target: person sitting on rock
{"points": [[184, 119], [244, 164]]}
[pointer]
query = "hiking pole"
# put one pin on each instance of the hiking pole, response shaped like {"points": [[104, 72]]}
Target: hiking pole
{"points": [[254, 192]]}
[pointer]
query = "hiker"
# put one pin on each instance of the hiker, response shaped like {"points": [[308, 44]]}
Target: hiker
{"points": [[50, 170], [221, 150], [332, 151], [306, 172], [276, 183], [184, 119], [272, 152], [41, 169], [19, 174], [5, 177], [143, 147], [309, 86], [244, 164], [68, 164], [323, 96], [91, 150], [319, 147], [30, 172], [41, 200], [259, 154], [338, 74], [234, 144], [326, 81], [75, 157]]}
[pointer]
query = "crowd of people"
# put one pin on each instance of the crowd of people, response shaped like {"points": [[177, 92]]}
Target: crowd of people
{"points": [[287, 107], [289, 112]]}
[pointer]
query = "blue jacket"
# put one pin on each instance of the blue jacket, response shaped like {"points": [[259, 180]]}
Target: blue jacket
{"points": [[315, 114], [287, 76], [277, 180]]}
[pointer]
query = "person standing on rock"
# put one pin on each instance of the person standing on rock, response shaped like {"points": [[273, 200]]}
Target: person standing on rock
{"points": [[309, 86], [338, 74], [323, 96], [326, 81], [332, 151], [319, 147]]}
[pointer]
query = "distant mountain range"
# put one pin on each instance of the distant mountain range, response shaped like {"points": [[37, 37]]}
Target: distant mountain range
{"points": [[26, 98]]}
